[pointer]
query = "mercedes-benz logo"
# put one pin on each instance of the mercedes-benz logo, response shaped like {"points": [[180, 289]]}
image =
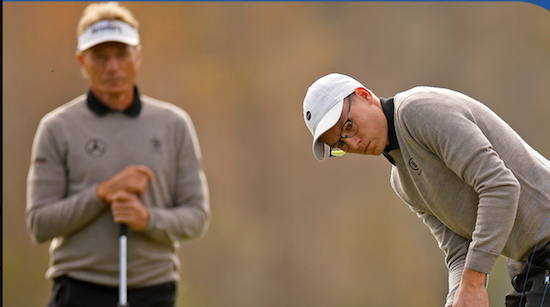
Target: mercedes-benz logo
{"points": [[155, 145], [95, 147]]}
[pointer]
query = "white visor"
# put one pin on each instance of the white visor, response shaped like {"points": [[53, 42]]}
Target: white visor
{"points": [[108, 31]]}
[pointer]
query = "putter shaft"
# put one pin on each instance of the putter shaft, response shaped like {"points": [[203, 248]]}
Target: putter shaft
{"points": [[123, 302]]}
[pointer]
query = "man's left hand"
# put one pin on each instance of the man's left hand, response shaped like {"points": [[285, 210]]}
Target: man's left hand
{"points": [[128, 209]]}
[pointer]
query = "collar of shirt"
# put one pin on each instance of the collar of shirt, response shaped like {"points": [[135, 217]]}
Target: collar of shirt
{"points": [[389, 111], [100, 109]]}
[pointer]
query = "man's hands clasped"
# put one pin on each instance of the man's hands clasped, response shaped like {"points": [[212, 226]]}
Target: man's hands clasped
{"points": [[122, 192]]}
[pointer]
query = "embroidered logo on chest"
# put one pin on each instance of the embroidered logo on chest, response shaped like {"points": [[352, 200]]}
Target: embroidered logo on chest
{"points": [[414, 166], [95, 147], [155, 145]]}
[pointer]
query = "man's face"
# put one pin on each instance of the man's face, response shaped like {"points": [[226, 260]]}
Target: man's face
{"points": [[372, 134], [111, 68]]}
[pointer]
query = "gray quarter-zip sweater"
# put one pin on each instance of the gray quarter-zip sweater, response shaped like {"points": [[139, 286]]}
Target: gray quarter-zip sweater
{"points": [[81, 144], [481, 190]]}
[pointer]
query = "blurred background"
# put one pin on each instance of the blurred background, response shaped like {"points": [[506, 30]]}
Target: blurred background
{"points": [[286, 229]]}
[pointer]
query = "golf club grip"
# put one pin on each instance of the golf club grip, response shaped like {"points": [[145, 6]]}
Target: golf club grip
{"points": [[123, 229]]}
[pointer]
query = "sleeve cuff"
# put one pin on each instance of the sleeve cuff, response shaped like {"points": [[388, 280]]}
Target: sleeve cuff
{"points": [[481, 261], [95, 198]]}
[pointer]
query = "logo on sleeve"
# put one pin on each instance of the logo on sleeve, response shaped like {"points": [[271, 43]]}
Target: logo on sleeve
{"points": [[40, 161], [95, 147]]}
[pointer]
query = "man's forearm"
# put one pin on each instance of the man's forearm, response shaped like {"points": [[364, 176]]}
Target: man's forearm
{"points": [[472, 292], [474, 277], [64, 216]]}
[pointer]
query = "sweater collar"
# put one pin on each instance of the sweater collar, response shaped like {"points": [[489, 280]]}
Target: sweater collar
{"points": [[389, 111], [101, 109]]}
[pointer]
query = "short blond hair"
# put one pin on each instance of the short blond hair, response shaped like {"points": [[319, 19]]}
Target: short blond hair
{"points": [[105, 11]]}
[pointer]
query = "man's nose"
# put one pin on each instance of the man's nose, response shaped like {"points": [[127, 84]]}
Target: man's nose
{"points": [[353, 142], [113, 63]]}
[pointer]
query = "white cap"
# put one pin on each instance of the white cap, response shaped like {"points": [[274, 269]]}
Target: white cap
{"points": [[323, 106], [108, 31]]}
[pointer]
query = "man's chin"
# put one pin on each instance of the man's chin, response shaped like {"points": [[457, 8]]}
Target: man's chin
{"points": [[117, 90], [375, 153], [366, 153]]}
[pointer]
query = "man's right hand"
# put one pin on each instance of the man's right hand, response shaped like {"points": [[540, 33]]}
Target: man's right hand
{"points": [[133, 179], [472, 292]]}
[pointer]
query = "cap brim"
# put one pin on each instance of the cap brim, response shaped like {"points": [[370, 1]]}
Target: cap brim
{"points": [[328, 121], [107, 30], [109, 38]]}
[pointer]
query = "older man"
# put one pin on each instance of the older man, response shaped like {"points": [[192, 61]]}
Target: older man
{"points": [[481, 190], [109, 157]]}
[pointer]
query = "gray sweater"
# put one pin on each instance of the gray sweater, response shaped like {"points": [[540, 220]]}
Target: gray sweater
{"points": [[481, 190], [75, 149]]}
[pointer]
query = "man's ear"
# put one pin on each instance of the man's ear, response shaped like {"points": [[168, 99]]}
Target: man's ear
{"points": [[80, 59], [364, 93], [138, 57]]}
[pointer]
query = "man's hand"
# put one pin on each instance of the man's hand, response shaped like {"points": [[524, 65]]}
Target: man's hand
{"points": [[472, 292], [132, 179], [128, 209]]}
